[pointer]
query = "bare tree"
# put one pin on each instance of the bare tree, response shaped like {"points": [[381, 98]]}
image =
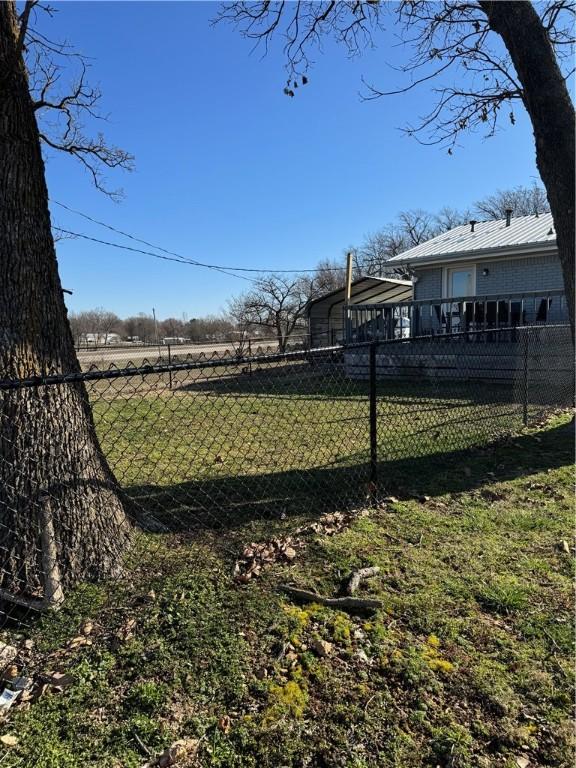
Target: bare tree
{"points": [[141, 326], [172, 327], [482, 58], [80, 324], [409, 229], [53, 532], [276, 302], [104, 323], [211, 328], [378, 247], [448, 218], [522, 201], [329, 275]]}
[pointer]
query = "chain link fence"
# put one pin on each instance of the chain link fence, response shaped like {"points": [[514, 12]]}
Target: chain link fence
{"points": [[216, 442]]}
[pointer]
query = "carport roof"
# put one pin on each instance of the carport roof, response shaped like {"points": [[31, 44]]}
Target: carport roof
{"points": [[366, 289]]}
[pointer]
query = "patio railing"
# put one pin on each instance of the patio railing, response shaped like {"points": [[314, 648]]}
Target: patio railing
{"points": [[430, 317]]}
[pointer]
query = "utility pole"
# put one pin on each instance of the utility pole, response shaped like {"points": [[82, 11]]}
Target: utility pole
{"points": [[156, 333]]}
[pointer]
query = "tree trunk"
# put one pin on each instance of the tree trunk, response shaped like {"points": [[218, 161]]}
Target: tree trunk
{"points": [[551, 111], [280, 336], [61, 519]]}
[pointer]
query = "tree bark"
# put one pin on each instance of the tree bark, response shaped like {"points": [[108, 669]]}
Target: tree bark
{"points": [[61, 519], [551, 111], [280, 335]]}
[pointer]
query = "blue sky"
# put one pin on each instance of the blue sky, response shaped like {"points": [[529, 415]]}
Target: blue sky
{"points": [[229, 170]]}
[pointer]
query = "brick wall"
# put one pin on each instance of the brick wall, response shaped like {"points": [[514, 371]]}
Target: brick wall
{"points": [[429, 285], [536, 273]]}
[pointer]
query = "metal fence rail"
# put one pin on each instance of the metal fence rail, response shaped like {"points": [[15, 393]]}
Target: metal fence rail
{"points": [[213, 442]]}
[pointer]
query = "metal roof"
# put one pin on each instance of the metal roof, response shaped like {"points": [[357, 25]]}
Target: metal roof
{"points": [[489, 238], [366, 289]]}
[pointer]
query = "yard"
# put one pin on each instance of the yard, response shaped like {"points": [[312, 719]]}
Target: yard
{"points": [[469, 663], [283, 439]]}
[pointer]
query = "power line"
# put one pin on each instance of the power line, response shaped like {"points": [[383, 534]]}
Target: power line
{"points": [[179, 257]]}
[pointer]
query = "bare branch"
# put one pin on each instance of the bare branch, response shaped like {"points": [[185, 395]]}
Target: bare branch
{"points": [[449, 42], [63, 99]]}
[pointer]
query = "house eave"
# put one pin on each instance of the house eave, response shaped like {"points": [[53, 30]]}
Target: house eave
{"points": [[500, 252]]}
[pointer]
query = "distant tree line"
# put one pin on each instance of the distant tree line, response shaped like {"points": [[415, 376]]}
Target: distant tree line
{"points": [[100, 326]]}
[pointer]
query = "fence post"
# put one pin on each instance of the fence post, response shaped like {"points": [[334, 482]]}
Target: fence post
{"points": [[525, 378], [170, 370], [373, 416]]}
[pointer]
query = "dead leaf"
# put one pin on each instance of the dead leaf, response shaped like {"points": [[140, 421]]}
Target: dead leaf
{"points": [[224, 723], [522, 761], [178, 751], [390, 500], [9, 740], [78, 642], [126, 631], [87, 627], [11, 672], [59, 680], [290, 553], [7, 653]]}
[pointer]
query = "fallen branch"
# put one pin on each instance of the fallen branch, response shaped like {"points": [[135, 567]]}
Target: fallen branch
{"points": [[357, 576], [36, 604], [349, 604]]}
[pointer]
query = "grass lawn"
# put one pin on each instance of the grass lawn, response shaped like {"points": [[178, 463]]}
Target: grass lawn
{"points": [[468, 664], [284, 440]]}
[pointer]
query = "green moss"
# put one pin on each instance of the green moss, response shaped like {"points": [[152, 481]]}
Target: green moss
{"points": [[341, 628], [288, 700]]}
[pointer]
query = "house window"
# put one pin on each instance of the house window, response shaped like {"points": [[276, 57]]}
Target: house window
{"points": [[460, 281]]}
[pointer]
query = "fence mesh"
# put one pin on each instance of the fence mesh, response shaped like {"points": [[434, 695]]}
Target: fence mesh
{"points": [[225, 443]]}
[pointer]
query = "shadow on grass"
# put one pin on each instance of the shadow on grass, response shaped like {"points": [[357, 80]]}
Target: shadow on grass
{"points": [[228, 503], [327, 379]]}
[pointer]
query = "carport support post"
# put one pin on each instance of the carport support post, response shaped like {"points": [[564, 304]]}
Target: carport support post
{"points": [[170, 371], [347, 317], [373, 416]]}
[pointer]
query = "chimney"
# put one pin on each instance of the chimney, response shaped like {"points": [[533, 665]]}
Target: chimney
{"points": [[472, 225], [508, 213]]}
